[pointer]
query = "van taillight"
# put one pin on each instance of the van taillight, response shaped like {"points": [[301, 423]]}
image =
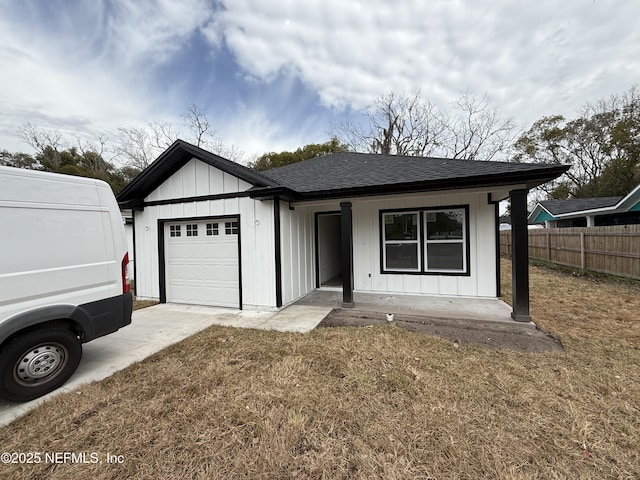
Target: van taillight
{"points": [[126, 285]]}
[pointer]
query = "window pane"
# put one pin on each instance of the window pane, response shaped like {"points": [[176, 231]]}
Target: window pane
{"points": [[231, 228], [402, 256], [444, 225], [401, 226], [445, 256]]}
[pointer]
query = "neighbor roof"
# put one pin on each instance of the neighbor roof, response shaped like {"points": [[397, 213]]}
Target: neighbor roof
{"points": [[559, 207], [579, 207], [345, 174]]}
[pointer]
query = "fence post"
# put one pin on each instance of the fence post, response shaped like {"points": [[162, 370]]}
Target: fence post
{"points": [[582, 256], [548, 247]]}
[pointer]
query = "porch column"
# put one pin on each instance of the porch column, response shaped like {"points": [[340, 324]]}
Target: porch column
{"points": [[347, 254], [519, 256], [277, 242]]}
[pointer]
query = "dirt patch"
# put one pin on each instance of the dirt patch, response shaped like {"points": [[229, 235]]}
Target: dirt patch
{"points": [[493, 335]]}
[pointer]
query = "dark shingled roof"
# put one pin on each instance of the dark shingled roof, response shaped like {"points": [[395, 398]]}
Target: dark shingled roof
{"points": [[560, 207], [349, 171], [342, 175]]}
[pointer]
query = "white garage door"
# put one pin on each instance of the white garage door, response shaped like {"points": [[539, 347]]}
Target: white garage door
{"points": [[202, 264]]}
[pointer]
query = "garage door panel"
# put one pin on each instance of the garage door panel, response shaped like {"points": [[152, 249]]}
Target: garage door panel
{"points": [[203, 268]]}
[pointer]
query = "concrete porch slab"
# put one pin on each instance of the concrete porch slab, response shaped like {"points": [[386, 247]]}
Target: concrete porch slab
{"points": [[454, 308]]}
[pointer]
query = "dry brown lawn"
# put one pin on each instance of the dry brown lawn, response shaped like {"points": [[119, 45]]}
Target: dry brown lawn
{"points": [[365, 403]]}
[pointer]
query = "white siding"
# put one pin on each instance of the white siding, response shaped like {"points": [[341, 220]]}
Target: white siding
{"points": [[366, 244], [297, 229], [482, 259], [196, 178], [256, 230], [298, 252]]}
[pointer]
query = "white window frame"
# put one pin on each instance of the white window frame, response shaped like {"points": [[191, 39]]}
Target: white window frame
{"points": [[386, 242], [462, 241]]}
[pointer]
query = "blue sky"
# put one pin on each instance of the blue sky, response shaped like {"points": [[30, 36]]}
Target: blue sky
{"points": [[274, 75]]}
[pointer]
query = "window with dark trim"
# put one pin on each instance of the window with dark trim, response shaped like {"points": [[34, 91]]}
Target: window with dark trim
{"points": [[192, 230], [231, 228], [174, 230], [425, 241], [212, 229]]}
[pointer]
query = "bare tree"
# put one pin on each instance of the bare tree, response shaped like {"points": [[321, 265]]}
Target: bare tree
{"points": [[39, 139], [135, 148], [397, 124], [44, 141], [407, 124], [162, 135], [139, 146], [475, 130], [199, 126]]}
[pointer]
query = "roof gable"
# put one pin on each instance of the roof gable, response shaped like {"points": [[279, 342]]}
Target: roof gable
{"points": [[172, 160], [197, 179], [542, 216]]}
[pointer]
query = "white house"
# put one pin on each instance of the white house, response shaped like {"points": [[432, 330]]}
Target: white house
{"points": [[212, 232]]}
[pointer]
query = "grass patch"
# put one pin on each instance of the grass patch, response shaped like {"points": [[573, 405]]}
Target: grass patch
{"points": [[374, 402], [137, 304], [587, 274]]}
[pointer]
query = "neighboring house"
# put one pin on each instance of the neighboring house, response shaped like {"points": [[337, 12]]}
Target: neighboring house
{"points": [[505, 223], [588, 212], [210, 231]]}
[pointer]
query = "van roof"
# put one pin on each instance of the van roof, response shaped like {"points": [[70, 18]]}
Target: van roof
{"points": [[24, 172]]}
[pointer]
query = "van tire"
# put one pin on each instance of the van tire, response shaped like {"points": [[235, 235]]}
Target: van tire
{"points": [[37, 362]]}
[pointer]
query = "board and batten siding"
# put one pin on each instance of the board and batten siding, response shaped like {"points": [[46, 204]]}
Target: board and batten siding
{"points": [[196, 178], [482, 240], [481, 282], [298, 252]]}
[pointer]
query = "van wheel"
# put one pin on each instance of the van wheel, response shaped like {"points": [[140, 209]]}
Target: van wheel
{"points": [[38, 362]]}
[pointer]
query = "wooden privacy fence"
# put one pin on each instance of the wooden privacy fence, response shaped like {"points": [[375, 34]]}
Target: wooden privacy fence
{"points": [[614, 250]]}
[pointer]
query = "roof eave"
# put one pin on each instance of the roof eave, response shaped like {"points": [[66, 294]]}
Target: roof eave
{"points": [[531, 180]]}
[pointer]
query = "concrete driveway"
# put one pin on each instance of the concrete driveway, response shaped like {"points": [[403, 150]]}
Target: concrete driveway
{"points": [[157, 327]]}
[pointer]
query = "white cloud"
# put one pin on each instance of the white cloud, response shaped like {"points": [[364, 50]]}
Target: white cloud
{"points": [[89, 68], [532, 58], [96, 65]]}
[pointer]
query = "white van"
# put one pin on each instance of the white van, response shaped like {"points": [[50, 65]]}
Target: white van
{"points": [[63, 276]]}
